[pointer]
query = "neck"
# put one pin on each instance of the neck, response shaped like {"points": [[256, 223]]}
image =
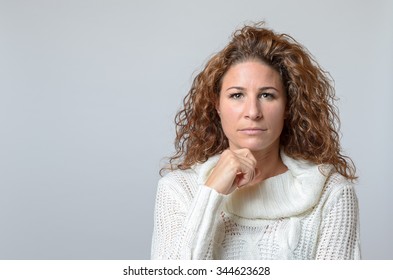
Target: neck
{"points": [[269, 164]]}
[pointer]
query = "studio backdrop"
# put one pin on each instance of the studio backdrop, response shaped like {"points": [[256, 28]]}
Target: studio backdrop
{"points": [[89, 90]]}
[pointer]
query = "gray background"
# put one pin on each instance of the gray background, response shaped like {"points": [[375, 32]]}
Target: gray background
{"points": [[89, 89]]}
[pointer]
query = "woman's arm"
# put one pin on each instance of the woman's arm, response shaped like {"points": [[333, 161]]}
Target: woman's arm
{"points": [[184, 227], [339, 235]]}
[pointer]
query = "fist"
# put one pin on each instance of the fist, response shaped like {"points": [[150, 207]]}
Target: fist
{"points": [[234, 169]]}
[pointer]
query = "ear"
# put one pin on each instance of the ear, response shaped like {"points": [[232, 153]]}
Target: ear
{"points": [[218, 107]]}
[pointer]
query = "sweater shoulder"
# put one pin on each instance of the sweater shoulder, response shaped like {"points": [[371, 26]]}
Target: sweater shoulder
{"points": [[177, 177], [336, 183], [181, 182], [337, 187]]}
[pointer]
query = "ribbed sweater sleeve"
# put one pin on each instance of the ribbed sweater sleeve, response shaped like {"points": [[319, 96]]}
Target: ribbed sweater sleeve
{"points": [[184, 222], [339, 236]]}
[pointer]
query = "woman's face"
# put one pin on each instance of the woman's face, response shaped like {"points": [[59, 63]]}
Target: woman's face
{"points": [[252, 106]]}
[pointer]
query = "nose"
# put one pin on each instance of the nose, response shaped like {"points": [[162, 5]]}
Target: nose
{"points": [[253, 109]]}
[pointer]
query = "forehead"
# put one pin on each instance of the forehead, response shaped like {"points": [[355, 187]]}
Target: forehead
{"points": [[252, 72]]}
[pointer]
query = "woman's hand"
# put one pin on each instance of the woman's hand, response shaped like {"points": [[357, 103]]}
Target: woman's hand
{"points": [[234, 169]]}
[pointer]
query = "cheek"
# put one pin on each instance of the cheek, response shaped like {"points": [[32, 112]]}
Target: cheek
{"points": [[229, 118], [229, 113], [276, 115], [226, 120]]}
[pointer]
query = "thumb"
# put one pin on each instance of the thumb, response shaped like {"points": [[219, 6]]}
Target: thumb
{"points": [[245, 177]]}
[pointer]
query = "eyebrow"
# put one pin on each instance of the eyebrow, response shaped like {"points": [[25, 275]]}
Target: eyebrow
{"points": [[261, 89]]}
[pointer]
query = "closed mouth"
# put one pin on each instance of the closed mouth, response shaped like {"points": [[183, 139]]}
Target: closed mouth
{"points": [[253, 129]]}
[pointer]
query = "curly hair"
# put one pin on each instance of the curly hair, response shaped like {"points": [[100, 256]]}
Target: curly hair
{"points": [[311, 128]]}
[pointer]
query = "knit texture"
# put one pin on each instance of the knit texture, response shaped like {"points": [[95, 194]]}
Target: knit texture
{"points": [[301, 214]]}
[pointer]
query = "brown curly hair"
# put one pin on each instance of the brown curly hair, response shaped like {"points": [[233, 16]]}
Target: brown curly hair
{"points": [[311, 128]]}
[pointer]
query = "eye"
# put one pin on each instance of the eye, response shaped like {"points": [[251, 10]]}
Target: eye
{"points": [[267, 95], [236, 95]]}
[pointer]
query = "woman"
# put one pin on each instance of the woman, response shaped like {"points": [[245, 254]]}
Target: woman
{"points": [[258, 172]]}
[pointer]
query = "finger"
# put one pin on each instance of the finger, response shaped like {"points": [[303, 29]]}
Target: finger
{"points": [[248, 160], [245, 175], [246, 154], [242, 152], [246, 169]]}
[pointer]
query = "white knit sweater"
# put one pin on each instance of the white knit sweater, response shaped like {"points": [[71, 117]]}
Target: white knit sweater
{"points": [[300, 214]]}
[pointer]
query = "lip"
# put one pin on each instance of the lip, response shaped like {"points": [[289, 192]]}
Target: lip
{"points": [[252, 130]]}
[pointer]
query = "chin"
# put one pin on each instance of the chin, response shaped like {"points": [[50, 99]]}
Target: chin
{"points": [[258, 146], [254, 147]]}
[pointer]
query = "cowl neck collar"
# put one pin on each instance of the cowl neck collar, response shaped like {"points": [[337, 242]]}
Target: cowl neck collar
{"points": [[288, 194]]}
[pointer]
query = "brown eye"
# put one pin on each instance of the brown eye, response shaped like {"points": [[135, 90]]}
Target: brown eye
{"points": [[266, 95], [235, 95]]}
